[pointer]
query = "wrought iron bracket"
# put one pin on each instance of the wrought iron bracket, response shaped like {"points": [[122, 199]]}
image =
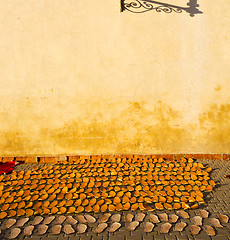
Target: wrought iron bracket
{"points": [[141, 6]]}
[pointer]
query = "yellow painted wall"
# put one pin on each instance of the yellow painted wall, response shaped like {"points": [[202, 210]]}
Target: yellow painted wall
{"points": [[81, 77]]}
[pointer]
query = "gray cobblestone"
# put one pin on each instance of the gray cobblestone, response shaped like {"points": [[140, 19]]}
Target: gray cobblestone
{"points": [[104, 234], [92, 234], [219, 238], [223, 232], [74, 238], [148, 237], [133, 238], [202, 237], [160, 237], [138, 232], [51, 238], [170, 237], [122, 233], [117, 238], [97, 238], [189, 236], [182, 237], [185, 232], [61, 238], [34, 237], [85, 237]]}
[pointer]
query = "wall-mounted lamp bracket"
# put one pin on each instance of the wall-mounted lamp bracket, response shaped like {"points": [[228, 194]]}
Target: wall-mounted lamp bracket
{"points": [[141, 6]]}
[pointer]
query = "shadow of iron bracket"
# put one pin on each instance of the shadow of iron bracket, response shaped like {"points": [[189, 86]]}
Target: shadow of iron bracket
{"points": [[141, 6]]}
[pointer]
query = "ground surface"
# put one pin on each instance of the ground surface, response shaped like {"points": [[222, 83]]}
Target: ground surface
{"points": [[217, 202]]}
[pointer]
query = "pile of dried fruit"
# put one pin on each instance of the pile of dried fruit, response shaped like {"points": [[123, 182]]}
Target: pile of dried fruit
{"points": [[100, 185]]}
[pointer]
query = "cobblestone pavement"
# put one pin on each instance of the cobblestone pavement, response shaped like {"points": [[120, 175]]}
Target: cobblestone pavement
{"points": [[217, 202]]}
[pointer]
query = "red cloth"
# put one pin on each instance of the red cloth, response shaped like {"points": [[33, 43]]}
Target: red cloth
{"points": [[7, 167]]}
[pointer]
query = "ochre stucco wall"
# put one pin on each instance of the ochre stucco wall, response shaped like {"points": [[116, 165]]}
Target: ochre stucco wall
{"points": [[81, 77]]}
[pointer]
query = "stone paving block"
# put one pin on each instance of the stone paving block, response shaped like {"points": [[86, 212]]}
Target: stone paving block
{"points": [[90, 228], [202, 237], [116, 238], [138, 232], [91, 234], [59, 235], [122, 232], [175, 233], [34, 237], [74, 238], [148, 237], [104, 234], [182, 237], [159, 237], [191, 237], [185, 233], [20, 237], [63, 238], [133, 238], [170, 237], [83, 237], [98, 238], [153, 233], [219, 237], [50, 237], [222, 231], [157, 229]]}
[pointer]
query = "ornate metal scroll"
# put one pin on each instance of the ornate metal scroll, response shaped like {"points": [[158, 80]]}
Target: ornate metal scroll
{"points": [[141, 6]]}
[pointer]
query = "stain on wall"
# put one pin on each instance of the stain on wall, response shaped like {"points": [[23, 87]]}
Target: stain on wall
{"points": [[135, 129], [119, 127], [216, 129]]}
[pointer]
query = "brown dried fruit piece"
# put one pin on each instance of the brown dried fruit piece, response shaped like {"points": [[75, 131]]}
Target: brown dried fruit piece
{"points": [[12, 213], [116, 200], [134, 206], [126, 206], [3, 215], [54, 210], [21, 212], [80, 209], [29, 212], [62, 210], [111, 207], [168, 206], [159, 206], [88, 209], [104, 208], [209, 188]]}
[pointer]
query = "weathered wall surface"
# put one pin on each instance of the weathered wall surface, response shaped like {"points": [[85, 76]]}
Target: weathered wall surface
{"points": [[80, 77]]}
